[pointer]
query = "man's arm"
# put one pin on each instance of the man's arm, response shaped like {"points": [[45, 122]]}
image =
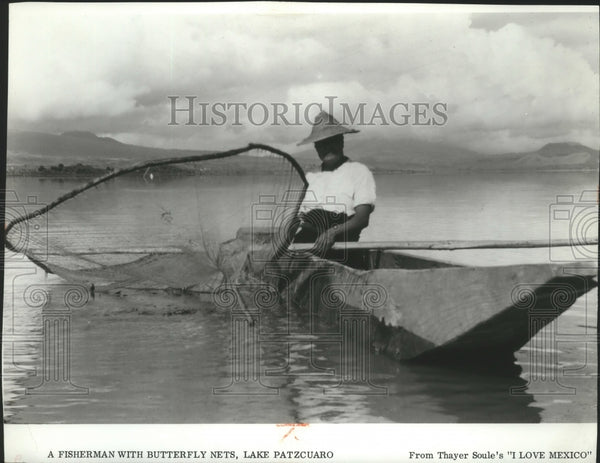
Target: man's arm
{"points": [[359, 220]]}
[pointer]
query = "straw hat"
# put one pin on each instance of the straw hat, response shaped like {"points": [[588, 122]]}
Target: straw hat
{"points": [[325, 126]]}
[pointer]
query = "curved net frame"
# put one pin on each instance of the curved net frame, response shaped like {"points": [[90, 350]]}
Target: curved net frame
{"points": [[160, 224]]}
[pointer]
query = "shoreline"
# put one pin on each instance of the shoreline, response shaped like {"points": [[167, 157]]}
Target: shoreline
{"points": [[99, 172]]}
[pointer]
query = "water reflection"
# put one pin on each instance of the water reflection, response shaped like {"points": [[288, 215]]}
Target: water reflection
{"points": [[405, 392], [472, 397]]}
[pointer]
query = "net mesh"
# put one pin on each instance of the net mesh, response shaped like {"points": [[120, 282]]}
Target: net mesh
{"points": [[161, 224]]}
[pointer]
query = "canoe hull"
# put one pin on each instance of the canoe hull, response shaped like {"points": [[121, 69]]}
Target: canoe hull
{"points": [[437, 312]]}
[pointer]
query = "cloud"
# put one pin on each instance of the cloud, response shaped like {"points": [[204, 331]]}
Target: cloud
{"points": [[517, 81], [577, 31]]}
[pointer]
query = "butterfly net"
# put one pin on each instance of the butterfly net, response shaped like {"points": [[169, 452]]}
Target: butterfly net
{"points": [[163, 224]]}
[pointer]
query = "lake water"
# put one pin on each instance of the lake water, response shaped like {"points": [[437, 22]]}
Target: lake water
{"points": [[158, 358]]}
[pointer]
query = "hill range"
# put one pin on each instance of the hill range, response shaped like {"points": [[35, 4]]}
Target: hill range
{"points": [[29, 150]]}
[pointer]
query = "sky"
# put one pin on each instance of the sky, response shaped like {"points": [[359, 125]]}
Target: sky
{"points": [[503, 81]]}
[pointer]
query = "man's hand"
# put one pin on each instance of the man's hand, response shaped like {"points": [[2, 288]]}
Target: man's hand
{"points": [[324, 242]]}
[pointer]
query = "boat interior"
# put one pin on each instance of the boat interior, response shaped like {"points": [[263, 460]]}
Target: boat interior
{"points": [[369, 256]]}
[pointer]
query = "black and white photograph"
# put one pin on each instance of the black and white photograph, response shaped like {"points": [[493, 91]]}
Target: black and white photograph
{"points": [[273, 231]]}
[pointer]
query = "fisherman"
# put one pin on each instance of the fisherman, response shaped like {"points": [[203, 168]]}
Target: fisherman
{"points": [[341, 197]]}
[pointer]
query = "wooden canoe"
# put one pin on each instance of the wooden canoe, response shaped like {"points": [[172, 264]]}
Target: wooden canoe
{"points": [[417, 307], [420, 308]]}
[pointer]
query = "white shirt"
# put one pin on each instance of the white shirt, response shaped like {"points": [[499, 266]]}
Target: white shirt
{"points": [[340, 190]]}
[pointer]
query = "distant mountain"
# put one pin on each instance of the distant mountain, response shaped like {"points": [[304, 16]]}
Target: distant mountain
{"points": [[409, 155], [89, 136], [558, 149], [85, 154], [553, 156], [36, 148], [423, 156]]}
